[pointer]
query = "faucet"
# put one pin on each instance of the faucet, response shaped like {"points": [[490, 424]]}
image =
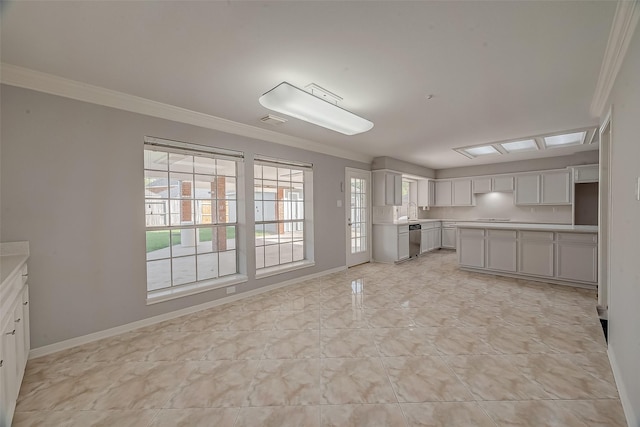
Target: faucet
{"points": [[415, 206]]}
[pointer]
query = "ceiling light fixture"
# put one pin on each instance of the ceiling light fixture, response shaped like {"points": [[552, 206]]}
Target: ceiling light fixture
{"points": [[292, 101]]}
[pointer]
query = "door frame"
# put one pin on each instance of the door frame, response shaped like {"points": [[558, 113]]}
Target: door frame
{"points": [[605, 211], [347, 213]]}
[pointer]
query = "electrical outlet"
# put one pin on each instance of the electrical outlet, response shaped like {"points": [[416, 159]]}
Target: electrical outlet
{"points": [[231, 290]]}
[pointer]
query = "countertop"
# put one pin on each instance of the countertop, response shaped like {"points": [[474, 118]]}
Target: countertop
{"points": [[533, 227], [12, 256]]}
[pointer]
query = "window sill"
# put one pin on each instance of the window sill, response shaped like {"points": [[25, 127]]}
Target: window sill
{"points": [[162, 295], [279, 269]]}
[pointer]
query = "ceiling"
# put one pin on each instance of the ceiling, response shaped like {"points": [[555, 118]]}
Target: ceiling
{"points": [[497, 70]]}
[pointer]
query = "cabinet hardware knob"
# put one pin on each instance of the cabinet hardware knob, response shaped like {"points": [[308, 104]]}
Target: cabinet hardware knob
{"points": [[25, 303], [18, 320], [1, 363], [11, 333]]}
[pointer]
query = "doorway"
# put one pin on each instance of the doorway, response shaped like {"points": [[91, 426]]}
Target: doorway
{"points": [[358, 216]]}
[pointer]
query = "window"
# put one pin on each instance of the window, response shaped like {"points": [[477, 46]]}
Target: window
{"points": [[282, 199], [191, 214], [409, 199]]}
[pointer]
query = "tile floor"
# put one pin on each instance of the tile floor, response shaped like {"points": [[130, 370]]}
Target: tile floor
{"points": [[417, 344]]}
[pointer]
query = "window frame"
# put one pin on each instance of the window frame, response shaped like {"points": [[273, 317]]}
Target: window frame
{"points": [[199, 284], [307, 260]]}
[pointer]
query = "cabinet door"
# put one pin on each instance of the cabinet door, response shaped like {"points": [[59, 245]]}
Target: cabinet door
{"points": [[403, 246], [577, 261], [424, 241], [443, 193], [393, 189], [502, 184], [536, 257], [556, 188], [449, 238], [482, 185], [589, 173], [9, 364], [471, 249], [501, 250], [462, 193], [25, 321], [527, 190], [424, 196], [437, 233]]}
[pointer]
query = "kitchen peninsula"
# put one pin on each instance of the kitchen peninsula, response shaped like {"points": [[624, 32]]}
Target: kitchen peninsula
{"points": [[554, 253]]}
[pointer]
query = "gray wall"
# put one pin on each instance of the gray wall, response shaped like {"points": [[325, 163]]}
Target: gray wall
{"points": [[71, 181], [624, 303], [559, 162]]}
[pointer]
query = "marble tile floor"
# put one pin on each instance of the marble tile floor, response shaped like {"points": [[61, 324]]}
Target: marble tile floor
{"points": [[416, 344]]}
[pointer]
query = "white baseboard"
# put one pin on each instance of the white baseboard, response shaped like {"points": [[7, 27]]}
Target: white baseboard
{"points": [[73, 342], [633, 419]]}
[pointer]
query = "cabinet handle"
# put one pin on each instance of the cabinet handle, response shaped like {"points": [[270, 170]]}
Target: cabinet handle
{"points": [[1, 363], [25, 303], [18, 320], [11, 333]]}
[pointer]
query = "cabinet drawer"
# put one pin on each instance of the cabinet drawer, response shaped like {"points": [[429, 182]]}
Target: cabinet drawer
{"points": [[537, 235], [471, 232], [502, 234], [578, 237], [427, 225], [403, 229]]}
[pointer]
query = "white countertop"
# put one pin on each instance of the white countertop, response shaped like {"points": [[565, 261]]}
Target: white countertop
{"points": [[525, 226], [12, 256]]}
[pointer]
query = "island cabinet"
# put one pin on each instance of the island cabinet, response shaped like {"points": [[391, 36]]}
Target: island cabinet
{"points": [[14, 318], [501, 250], [559, 254]]}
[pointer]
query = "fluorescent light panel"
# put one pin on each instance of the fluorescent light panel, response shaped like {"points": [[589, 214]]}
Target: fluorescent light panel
{"points": [[524, 145], [564, 139], [288, 99], [481, 151]]}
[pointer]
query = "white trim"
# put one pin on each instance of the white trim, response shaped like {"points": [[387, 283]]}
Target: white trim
{"points": [[633, 419], [13, 75], [85, 339], [624, 24], [283, 268], [162, 295]]}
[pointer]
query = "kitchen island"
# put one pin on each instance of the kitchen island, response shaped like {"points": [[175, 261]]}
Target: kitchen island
{"points": [[554, 253]]}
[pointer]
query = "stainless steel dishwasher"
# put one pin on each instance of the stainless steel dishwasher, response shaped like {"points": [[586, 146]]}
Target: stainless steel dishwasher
{"points": [[415, 238]]}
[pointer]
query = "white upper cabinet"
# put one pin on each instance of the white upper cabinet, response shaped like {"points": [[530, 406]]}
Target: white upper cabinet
{"points": [[502, 184], [586, 173], [462, 195], [444, 194], [482, 185], [527, 190], [426, 192], [556, 188], [544, 188], [387, 188]]}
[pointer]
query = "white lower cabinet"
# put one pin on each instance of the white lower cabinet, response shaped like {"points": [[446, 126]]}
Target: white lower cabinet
{"points": [[577, 257], [557, 257], [471, 248], [536, 253], [501, 250], [390, 242], [430, 237], [448, 237], [14, 326]]}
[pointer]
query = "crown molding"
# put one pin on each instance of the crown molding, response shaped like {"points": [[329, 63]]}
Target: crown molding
{"points": [[26, 78], [624, 24]]}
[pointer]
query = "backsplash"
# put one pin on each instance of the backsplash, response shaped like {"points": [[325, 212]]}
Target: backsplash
{"points": [[500, 205]]}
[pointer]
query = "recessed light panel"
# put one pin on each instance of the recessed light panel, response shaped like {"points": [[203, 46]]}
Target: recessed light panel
{"points": [[565, 139], [481, 151], [524, 145]]}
